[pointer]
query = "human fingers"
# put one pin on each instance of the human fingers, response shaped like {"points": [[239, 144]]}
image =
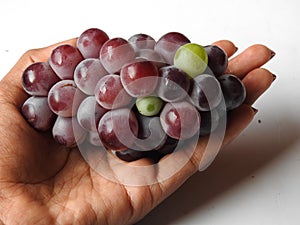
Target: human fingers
{"points": [[11, 85], [251, 58], [256, 83], [227, 46]]}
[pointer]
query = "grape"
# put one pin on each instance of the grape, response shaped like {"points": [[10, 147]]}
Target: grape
{"points": [[64, 98], [192, 59], [129, 155], [173, 85], [115, 53], [110, 92], [149, 106], [151, 135], [233, 90], [37, 113], [87, 73], [142, 41], [151, 55], [64, 59], [90, 42], [168, 44], [38, 78], [210, 121], [169, 146], [118, 129], [66, 131], [206, 93], [94, 139], [89, 113], [217, 59], [139, 78], [180, 120]]}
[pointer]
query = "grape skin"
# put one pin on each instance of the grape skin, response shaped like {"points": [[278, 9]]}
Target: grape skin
{"points": [[38, 78], [37, 113], [64, 98], [180, 120], [66, 131], [64, 59], [87, 73]]}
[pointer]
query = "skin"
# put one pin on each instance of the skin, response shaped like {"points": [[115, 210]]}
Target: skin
{"points": [[44, 183]]}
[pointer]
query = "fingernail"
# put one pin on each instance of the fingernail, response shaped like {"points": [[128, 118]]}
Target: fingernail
{"points": [[272, 54], [236, 49], [254, 110], [274, 77]]}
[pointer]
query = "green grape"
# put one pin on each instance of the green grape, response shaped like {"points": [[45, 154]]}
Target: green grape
{"points": [[149, 106], [192, 59]]}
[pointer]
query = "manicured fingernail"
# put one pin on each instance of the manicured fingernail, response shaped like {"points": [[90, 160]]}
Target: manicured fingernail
{"points": [[272, 54], [254, 110], [274, 77]]}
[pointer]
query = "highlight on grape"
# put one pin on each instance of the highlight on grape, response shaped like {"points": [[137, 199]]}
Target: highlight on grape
{"points": [[120, 100]]}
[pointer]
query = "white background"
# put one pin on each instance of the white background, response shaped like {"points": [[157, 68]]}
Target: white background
{"points": [[255, 180]]}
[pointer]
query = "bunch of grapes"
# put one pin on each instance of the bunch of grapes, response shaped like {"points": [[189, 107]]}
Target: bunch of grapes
{"points": [[136, 98]]}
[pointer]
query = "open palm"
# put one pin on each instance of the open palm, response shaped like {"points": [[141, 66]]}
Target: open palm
{"points": [[42, 182]]}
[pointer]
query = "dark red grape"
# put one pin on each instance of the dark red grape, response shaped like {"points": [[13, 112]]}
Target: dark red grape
{"points": [[139, 78], [64, 98], [115, 53], [118, 129], [64, 59], [87, 74], [38, 78], [37, 113], [173, 84], [89, 113], [168, 44], [180, 120], [110, 92], [90, 42], [66, 131], [233, 90], [142, 41]]}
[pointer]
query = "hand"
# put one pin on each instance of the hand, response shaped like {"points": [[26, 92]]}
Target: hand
{"points": [[44, 183]]}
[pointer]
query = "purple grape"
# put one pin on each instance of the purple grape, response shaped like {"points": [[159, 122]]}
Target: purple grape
{"points": [[217, 59], [173, 85], [233, 90], [89, 113], [87, 74], [168, 44], [169, 146], [205, 92], [110, 92], [64, 98], [90, 42], [66, 131], [151, 135], [118, 129], [129, 155], [38, 78], [180, 120], [63, 61], [115, 53], [37, 113]]}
